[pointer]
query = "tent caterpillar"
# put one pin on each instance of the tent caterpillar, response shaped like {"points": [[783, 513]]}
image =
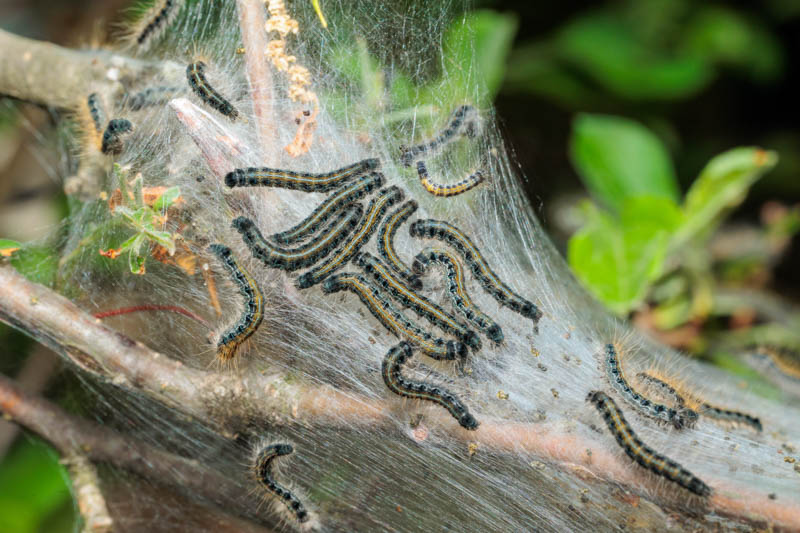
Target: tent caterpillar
{"points": [[463, 121], [305, 255], [375, 211], [681, 418], [195, 73], [641, 452], [253, 314], [300, 181], [392, 376], [112, 137], [386, 243], [385, 279], [332, 205], [453, 189], [434, 229], [457, 290], [392, 318]]}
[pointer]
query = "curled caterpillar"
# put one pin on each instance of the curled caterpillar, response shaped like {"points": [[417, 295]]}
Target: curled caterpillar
{"points": [[263, 470], [300, 181], [253, 313], [112, 137], [195, 73], [305, 255], [392, 376], [454, 189], [457, 290], [463, 121], [679, 418], [386, 243], [392, 318], [155, 21], [377, 208], [641, 452], [385, 279], [340, 198], [435, 229]]}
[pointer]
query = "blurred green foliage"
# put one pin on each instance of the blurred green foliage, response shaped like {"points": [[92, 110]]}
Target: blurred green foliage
{"points": [[644, 50], [34, 495], [638, 223]]}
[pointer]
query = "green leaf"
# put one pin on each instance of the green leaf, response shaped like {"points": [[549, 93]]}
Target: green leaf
{"points": [[618, 159], [164, 238], [135, 262], [619, 257], [37, 263], [166, 199], [8, 247], [722, 185], [133, 241]]}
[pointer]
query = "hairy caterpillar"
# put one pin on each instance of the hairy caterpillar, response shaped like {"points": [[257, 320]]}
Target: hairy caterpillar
{"points": [[779, 364], [338, 200], [301, 181], [454, 189], [377, 208], [253, 314], [678, 418], [96, 112], [155, 21], [418, 303], [152, 96], [262, 467], [195, 73], [463, 121], [306, 254], [392, 318], [391, 370], [434, 229], [112, 137], [386, 243], [641, 452], [703, 408], [458, 293]]}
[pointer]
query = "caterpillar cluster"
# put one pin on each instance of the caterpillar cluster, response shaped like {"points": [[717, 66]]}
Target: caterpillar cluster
{"points": [[329, 252], [326, 251]]}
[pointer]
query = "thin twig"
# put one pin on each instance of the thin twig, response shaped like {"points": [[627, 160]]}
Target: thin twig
{"points": [[254, 40], [33, 378], [87, 493], [72, 435], [51, 75], [153, 307]]}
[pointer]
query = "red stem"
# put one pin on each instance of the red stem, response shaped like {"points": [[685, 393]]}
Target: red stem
{"points": [[152, 307]]}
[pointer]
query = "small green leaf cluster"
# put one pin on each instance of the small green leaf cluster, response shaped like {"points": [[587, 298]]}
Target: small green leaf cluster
{"points": [[639, 223]]}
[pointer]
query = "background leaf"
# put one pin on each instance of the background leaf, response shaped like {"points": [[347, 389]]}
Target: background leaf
{"points": [[618, 257], [722, 184], [618, 159]]}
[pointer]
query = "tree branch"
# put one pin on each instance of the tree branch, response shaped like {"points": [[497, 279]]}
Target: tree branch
{"points": [[72, 436], [50, 75], [227, 399]]}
